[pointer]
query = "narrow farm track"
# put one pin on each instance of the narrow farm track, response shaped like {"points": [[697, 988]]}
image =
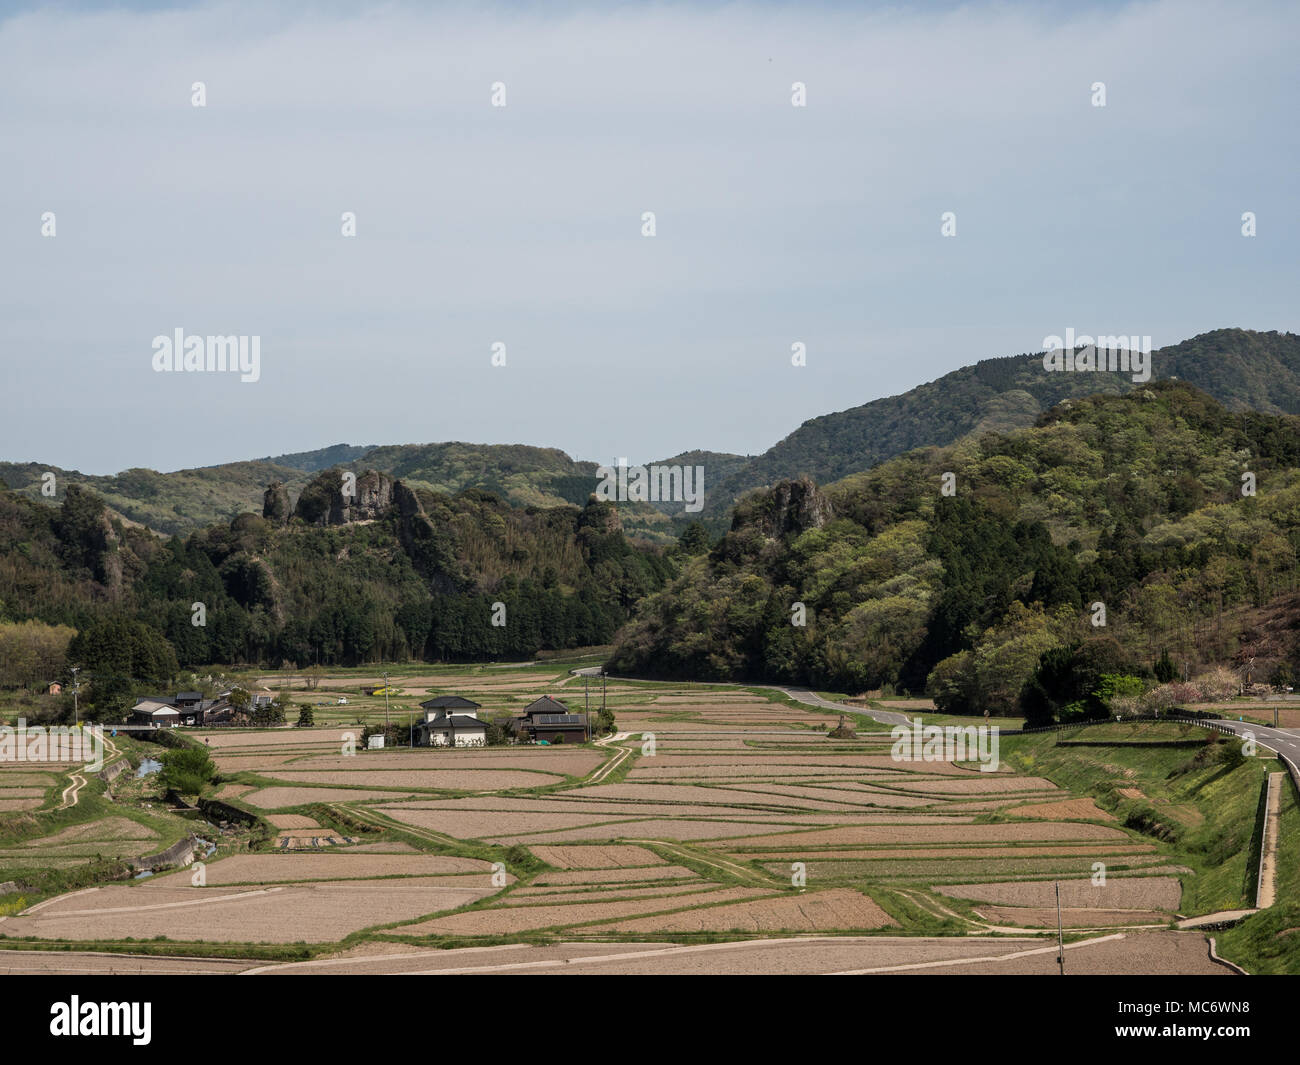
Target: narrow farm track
{"points": [[619, 758], [77, 781], [374, 817], [72, 791], [691, 854]]}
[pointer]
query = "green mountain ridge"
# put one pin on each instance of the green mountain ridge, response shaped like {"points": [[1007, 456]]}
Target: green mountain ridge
{"points": [[1240, 368]]}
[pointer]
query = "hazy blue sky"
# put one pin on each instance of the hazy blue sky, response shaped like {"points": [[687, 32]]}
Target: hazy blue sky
{"points": [[522, 224]]}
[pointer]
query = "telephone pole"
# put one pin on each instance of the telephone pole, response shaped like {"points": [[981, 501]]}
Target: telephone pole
{"points": [[1060, 935], [76, 715], [385, 704]]}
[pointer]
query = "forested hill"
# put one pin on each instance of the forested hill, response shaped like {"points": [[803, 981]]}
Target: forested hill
{"points": [[389, 574], [1244, 370], [1135, 502], [187, 500]]}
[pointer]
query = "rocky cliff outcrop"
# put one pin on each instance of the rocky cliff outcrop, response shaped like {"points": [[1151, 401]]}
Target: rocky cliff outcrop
{"points": [[788, 508], [276, 507], [336, 498]]}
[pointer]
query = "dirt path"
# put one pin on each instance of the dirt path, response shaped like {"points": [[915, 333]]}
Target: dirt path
{"points": [[72, 791], [1267, 893], [746, 874], [1214, 918], [618, 759], [77, 781]]}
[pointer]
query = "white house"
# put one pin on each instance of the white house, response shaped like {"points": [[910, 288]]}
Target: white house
{"points": [[450, 721]]}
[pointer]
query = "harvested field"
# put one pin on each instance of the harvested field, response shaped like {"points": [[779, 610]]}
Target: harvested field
{"points": [[445, 779], [314, 913], [979, 784], [575, 763], [108, 828], [824, 911], [937, 869], [612, 876], [738, 789], [278, 798], [886, 834], [291, 821], [258, 763], [1066, 810], [990, 851], [1045, 917], [337, 865], [612, 857], [480, 824], [603, 892], [1119, 893], [654, 829], [498, 921]]}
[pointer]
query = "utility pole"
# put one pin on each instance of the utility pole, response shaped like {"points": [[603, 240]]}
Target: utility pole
{"points": [[602, 690], [385, 703], [1060, 935], [586, 690], [76, 716]]}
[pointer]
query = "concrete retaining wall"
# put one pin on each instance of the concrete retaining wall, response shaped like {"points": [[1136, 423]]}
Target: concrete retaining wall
{"points": [[216, 810], [181, 853]]}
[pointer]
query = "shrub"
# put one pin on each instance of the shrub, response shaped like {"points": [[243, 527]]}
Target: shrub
{"points": [[187, 769], [1218, 684]]}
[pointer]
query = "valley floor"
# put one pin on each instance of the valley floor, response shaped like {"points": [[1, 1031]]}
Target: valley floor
{"points": [[721, 830]]}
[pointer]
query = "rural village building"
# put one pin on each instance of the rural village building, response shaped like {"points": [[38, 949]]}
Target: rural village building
{"points": [[191, 708], [157, 712], [450, 721], [548, 720]]}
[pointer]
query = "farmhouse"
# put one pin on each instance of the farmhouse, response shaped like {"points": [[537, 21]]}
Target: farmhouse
{"points": [[157, 712], [450, 721], [190, 708], [548, 720]]}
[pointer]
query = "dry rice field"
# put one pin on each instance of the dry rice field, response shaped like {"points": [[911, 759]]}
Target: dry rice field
{"points": [[744, 821]]}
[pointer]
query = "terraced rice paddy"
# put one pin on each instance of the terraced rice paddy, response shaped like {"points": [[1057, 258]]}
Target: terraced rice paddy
{"points": [[743, 819]]}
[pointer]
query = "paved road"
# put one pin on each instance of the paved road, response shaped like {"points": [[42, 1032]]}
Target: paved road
{"points": [[807, 695], [803, 695], [1286, 742]]}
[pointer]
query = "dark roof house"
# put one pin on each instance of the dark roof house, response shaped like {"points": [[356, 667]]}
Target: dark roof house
{"points": [[549, 720], [449, 702]]}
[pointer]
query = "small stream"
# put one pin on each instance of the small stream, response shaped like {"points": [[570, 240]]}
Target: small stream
{"points": [[147, 766]]}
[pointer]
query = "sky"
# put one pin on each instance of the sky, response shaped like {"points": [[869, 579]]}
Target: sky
{"points": [[522, 225]]}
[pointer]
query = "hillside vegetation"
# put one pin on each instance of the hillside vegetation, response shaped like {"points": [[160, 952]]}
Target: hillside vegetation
{"points": [[1132, 503], [1244, 370]]}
